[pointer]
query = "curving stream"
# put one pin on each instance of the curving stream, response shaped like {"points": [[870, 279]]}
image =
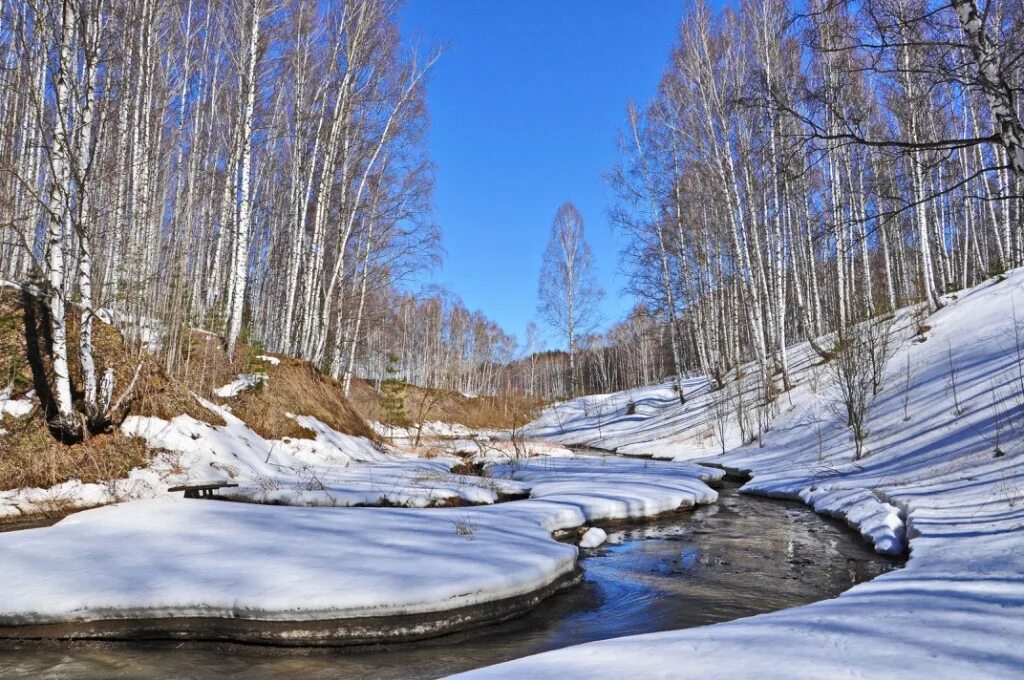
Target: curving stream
{"points": [[742, 556]]}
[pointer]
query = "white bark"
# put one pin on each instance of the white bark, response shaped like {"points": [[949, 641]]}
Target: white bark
{"points": [[240, 252]]}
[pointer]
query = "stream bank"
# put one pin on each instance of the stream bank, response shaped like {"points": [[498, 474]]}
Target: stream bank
{"points": [[742, 556]]}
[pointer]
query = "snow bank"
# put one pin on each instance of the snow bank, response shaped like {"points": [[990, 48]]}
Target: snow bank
{"points": [[950, 481], [175, 557], [430, 429], [878, 522], [615, 488], [171, 557], [74, 494]]}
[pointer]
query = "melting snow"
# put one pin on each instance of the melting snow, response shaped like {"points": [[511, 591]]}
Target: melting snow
{"points": [[245, 381]]}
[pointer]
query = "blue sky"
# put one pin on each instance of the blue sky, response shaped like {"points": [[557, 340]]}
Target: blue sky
{"points": [[525, 107]]}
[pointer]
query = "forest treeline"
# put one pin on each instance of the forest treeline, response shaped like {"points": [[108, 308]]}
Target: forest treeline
{"points": [[806, 166], [258, 168]]}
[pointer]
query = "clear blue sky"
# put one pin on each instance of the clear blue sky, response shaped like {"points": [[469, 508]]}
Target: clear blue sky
{"points": [[525, 107]]}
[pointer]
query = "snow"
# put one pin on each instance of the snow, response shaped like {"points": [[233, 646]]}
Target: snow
{"points": [[16, 408], [174, 557], [149, 332], [168, 556], [430, 429], [245, 381], [879, 522], [615, 488], [273, 361], [593, 537], [74, 494], [949, 484], [332, 469]]}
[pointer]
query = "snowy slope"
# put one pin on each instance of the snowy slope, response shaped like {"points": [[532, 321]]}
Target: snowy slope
{"points": [[331, 469], [951, 479]]}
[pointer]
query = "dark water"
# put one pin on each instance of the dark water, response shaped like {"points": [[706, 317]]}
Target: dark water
{"points": [[740, 557]]}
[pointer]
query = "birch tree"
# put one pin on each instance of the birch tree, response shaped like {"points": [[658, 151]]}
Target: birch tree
{"points": [[568, 293]]}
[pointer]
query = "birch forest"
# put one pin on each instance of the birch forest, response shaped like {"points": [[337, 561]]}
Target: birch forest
{"points": [[806, 167], [258, 169], [255, 168]]}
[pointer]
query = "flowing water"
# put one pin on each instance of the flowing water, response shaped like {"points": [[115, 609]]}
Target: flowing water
{"points": [[739, 557]]}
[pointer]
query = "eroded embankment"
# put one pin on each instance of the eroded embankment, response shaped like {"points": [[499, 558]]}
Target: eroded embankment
{"points": [[360, 630]]}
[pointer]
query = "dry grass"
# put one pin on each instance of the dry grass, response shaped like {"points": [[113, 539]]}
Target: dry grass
{"points": [[30, 455], [14, 368], [296, 387], [293, 386], [501, 412]]}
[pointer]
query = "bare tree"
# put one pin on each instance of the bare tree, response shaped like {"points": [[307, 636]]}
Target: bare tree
{"points": [[569, 295], [857, 369]]}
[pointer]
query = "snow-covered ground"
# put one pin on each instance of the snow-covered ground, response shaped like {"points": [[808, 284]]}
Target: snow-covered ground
{"points": [[171, 557], [166, 556], [333, 469], [948, 476], [175, 557], [243, 382], [429, 429]]}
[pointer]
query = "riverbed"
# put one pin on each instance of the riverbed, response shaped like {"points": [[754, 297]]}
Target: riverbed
{"points": [[742, 556]]}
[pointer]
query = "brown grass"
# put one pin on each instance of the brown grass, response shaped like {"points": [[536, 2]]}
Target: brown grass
{"points": [[486, 412], [296, 387], [29, 453], [32, 457], [467, 468], [293, 386]]}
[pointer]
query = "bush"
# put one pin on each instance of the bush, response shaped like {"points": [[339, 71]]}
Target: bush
{"points": [[858, 371]]}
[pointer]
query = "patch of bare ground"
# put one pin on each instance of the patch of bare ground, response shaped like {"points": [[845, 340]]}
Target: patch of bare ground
{"points": [[292, 386], [30, 454], [422, 404], [467, 468]]}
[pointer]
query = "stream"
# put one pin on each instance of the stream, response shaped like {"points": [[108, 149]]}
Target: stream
{"points": [[742, 556]]}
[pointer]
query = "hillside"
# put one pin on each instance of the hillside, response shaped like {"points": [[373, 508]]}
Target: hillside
{"points": [[508, 411], [31, 455], [942, 475], [44, 474]]}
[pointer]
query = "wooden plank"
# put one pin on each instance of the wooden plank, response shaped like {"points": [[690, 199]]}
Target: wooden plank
{"points": [[197, 488]]}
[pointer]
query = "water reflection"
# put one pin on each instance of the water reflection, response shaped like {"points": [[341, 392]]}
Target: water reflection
{"points": [[740, 557]]}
